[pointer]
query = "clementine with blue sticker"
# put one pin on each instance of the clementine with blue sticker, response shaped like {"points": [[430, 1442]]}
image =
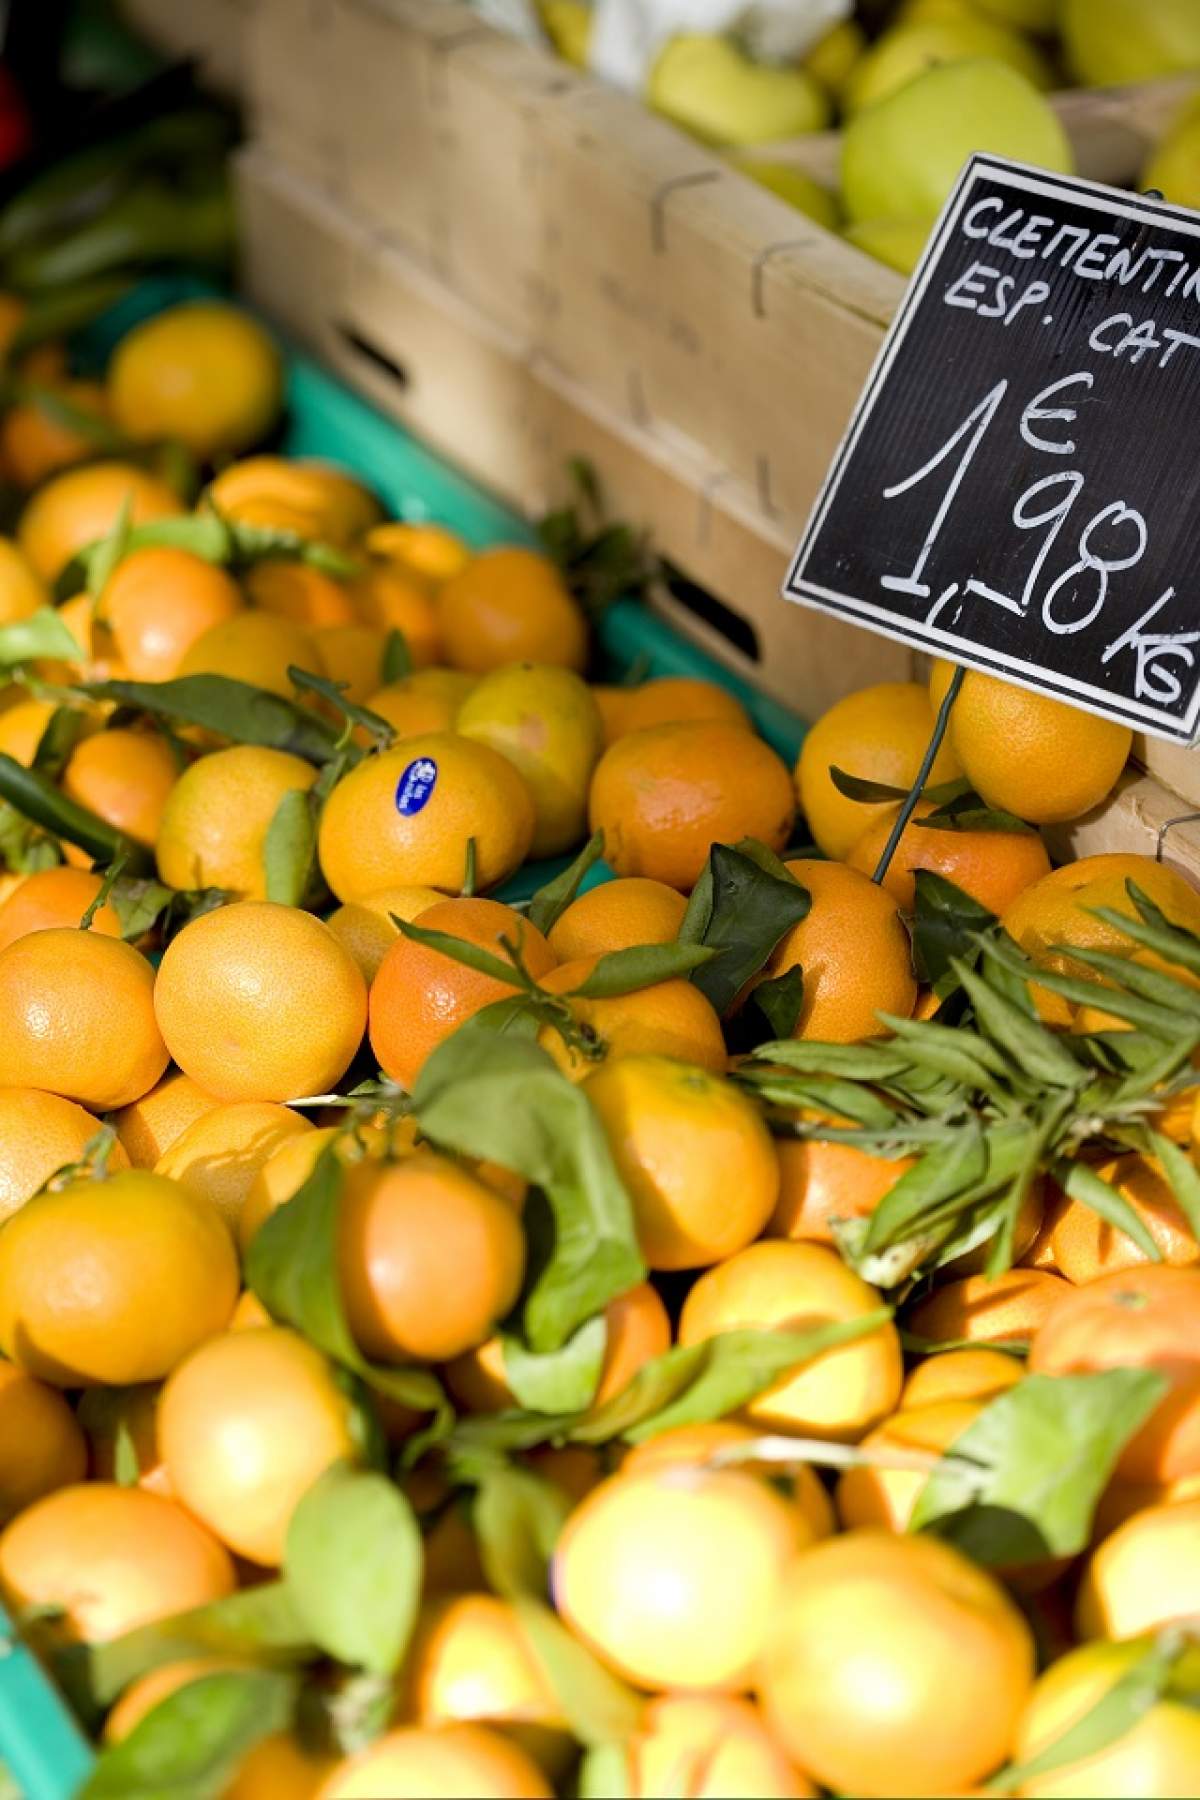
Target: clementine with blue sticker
{"points": [[415, 785]]}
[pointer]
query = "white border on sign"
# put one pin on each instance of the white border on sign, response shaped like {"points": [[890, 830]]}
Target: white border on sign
{"points": [[1025, 178]]}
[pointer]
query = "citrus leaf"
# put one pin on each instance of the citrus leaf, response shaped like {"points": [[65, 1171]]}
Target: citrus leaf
{"points": [[694, 1383], [642, 965], [946, 922], [201, 535], [25, 847], [292, 1265], [275, 543], [780, 1001], [551, 902], [558, 1381], [335, 693], [191, 1744], [459, 950], [698, 916], [1117, 1711], [1079, 1182], [752, 908], [63, 731], [289, 848], [353, 1568], [1159, 988], [604, 1774], [258, 1623], [952, 1168], [1183, 1176], [397, 661], [232, 709], [1036, 1051], [1154, 931], [1045, 1450], [41, 635], [138, 905], [503, 1099], [46, 805], [861, 1062], [518, 1517], [108, 552], [828, 1094]]}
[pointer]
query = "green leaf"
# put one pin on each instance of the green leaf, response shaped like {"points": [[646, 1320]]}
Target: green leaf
{"points": [[397, 662], [58, 740], [289, 848], [62, 311], [699, 911], [273, 543], [41, 636], [558, 1381], [334, 692], [292, 1265], [751, 910], [1132, 1695], [25, 847], [258, 1623], [1079, 1182], [861, 1062], [1154, 931], [232, 709], [551, 901], [43, 803], [858, 787], [518, 1518], [1037, 1052], [694, 1383], [946, 923], [625, 971], [459, 950], [201, 535], [604, 1773], [138, 905], [1183, 1176], [1045, 1450], [191, 1744], [110, 550], [353, 1567], [502, 1098], [950, 1169], [780, 1001]]}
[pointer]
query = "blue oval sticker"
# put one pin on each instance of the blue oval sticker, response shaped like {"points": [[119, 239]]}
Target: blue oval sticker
{"points": [[415, 785]]}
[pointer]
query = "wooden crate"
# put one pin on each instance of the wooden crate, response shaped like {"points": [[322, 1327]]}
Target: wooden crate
{"points": [[378, 317], [511, 419], [215, 33]]}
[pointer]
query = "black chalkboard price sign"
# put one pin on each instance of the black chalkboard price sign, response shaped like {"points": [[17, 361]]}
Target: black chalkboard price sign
{"points": [[1020, 485]]}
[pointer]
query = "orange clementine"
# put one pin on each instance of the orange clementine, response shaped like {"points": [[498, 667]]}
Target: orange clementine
{"points": [[77, 1265], [297, 591], [672, 1574], [1158, 1754], [388, 599], [201, 371], [246, 1424], [668, 1018], [992, 866], [147, 1129], [1136, 1318], [426, 700], [258, 1001], [407, 817], [36, 440], [823, 1182], [693, 1153], [429, 1258], [854, 952], [1146, 1574], [1008, 1309], [79, 506], [41, 1445], [107, 1559], [894, 1666], [254, 647], [1028, 753], [126, 778], [21, 591], [219, 1155], [637, 1329], [352, 656], [420, 996], [1084, 1245], [709, 1745], [672, 699], [77, 1018], [126, 1417], [469, 1660], [960, 1375], [794, 1287], [879, 734], [288, 1165], [884, 1498], [313, 499], [617, 915], [22, 727], [707, 1444], [158, 601], [438, 1762], [664, 796], [39, 1135], [214, 825], [509, 605], [429, 552], [367, 927]]}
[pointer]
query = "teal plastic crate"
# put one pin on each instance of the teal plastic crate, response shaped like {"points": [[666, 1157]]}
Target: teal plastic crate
{"points": [[40, 1745]]}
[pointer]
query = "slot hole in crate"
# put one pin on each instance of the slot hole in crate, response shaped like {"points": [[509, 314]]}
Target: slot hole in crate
{"points": [[712, 612], [378, 359]]}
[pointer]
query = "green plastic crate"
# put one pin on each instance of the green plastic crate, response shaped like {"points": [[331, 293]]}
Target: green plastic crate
{"points": [[40, 1744]]}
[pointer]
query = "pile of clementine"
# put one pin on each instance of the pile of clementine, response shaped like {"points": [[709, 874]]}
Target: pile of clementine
{"points": [[173, 1075]]}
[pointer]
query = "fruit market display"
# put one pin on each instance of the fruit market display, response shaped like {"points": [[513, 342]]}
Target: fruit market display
{"points": [[722, 1322], [914, 89]]}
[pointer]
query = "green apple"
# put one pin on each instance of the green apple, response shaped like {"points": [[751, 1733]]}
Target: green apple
{"points": [[909, 50], [832, 60], [792, 185], [896, 242], [902, 156], [568, 25], [1174, 169], [711, 88], [1110, 41]]}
